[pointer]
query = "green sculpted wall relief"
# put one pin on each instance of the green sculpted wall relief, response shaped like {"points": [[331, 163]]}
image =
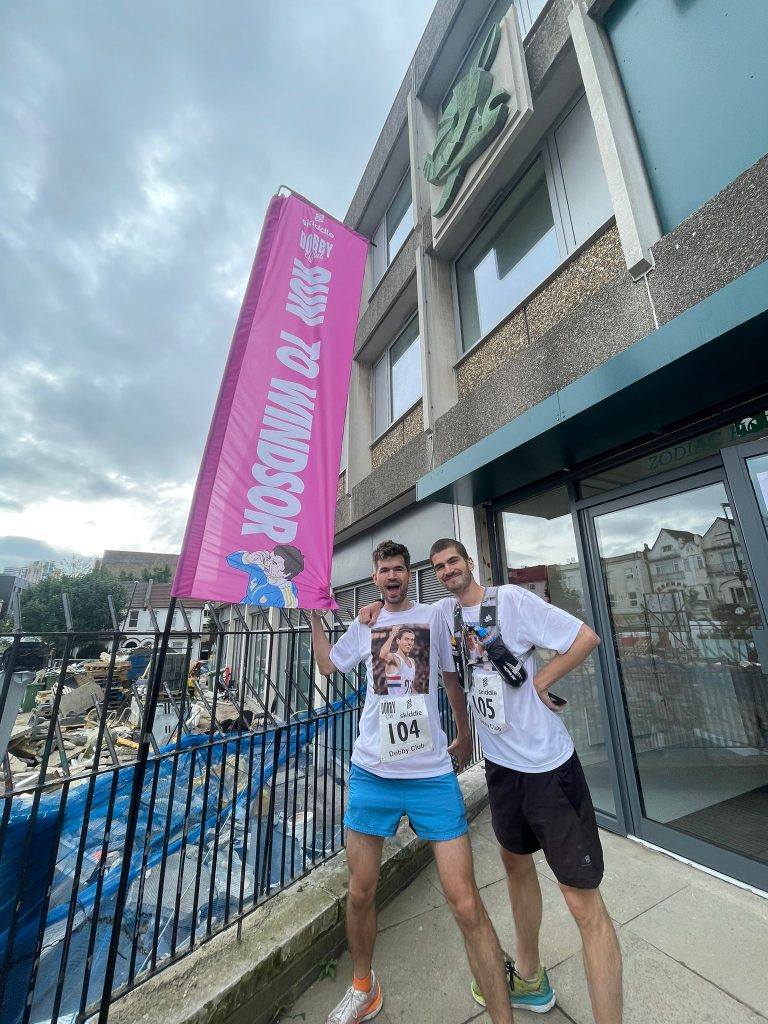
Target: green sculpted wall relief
{"points": [[472, 119]]}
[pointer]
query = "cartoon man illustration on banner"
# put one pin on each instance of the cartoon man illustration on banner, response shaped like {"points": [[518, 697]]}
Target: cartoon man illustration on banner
{"points": [[271, 573]]}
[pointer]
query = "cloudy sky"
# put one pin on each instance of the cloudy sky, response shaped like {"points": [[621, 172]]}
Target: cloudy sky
{"points": [[141, 145]]}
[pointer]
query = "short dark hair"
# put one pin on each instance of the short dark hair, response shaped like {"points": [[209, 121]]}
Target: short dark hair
{"points": [[391, 549], [292, 558], [448, 542]]}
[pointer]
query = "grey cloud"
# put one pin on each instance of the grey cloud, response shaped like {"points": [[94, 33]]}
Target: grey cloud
{"points": [[18, 551], [142, 143]]}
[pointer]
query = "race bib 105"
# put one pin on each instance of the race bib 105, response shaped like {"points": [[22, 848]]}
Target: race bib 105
{"points": [[487, 699]]}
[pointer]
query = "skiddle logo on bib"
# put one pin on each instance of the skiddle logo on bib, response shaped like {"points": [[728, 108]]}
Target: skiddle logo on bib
{"points": [[400, 656]]}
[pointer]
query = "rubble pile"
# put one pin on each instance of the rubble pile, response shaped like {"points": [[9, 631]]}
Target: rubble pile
{"points": [[106, 696]]}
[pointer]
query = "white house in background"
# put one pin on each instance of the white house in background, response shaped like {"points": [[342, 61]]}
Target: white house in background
{"points": [[725, 564], [676, 562], [139, 628]]}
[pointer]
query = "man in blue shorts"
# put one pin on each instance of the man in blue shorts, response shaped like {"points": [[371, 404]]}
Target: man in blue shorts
{"points": [[401, 765], [538, 794]]}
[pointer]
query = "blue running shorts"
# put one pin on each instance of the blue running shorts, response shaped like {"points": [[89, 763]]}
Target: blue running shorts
{"points": [[434, 807]]}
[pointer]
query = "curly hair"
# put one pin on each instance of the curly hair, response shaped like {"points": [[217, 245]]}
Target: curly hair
{"points": [[391, 549]]}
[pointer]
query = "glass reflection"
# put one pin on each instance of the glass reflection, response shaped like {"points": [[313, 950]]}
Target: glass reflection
{"points": [[683, 609], [540, 548]]}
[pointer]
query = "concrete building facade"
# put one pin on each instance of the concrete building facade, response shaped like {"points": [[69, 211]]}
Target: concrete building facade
{"points": [[560, 360]]}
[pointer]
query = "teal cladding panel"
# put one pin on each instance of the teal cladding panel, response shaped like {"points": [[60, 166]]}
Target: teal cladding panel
{"points": [[695, 73]]}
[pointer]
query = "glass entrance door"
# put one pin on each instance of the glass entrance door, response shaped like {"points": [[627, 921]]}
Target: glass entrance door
{"points": [[539, 552], [684, 618]]}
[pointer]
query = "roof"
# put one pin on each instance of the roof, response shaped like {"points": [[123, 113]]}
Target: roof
{"points": [[117, 561], [528, 574], [678, 534], [160, 596]]}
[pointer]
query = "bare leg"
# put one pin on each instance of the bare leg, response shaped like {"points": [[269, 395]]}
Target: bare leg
{"points": [[364, 862], [601, 951], [454, 866], [525, 897]]}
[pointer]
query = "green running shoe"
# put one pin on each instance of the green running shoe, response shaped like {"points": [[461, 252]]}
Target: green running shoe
{"points": [[537, 996]]}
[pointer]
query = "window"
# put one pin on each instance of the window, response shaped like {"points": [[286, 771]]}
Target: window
{"points": [[399, 219], [632, 595], [699, 562], [429, 589], [629, 574], [513, 254], [667, 547], [540, 531], [556, 205], [392, 230], [397, 378], [667, 568], [528, 11], [422, 587], [133, 619]]}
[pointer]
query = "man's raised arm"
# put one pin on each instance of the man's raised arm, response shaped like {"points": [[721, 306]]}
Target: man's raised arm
{"points": [[321, 645], [385, 654]]}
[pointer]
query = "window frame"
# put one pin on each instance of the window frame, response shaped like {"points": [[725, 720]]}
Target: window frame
{"points": [[381, 258], [525, 22], [545, 149], [390, 255], [385, 358]]}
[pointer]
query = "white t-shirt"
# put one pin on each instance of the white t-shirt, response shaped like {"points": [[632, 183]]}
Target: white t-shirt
{"points": [[422, 627], [535, 739]]}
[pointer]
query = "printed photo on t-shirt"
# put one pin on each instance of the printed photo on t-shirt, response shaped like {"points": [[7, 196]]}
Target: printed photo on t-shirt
{"points": [[475, 639], [400, 656]]}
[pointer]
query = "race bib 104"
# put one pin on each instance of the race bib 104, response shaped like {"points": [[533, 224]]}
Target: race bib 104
{"points": [[404, 728], [487, 698]]}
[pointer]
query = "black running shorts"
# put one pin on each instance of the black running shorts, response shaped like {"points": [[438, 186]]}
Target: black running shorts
{"points": [[550, 811]]}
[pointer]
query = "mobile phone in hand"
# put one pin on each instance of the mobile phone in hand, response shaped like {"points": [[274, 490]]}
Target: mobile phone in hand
{"points": [[560, 701]]}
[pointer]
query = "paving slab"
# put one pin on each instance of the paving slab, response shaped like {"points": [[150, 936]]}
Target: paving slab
{"points": [[657, 990], [695, 946], [636, 879], [554, 1016], [560, 937], [407, 954], [717, 933], [423, 896]]}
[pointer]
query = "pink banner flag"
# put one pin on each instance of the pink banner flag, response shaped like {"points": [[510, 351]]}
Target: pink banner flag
{"points": [[260, 531]]}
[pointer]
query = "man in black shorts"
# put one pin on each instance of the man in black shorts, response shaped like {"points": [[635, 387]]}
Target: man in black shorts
{"points": [[538, 794]]}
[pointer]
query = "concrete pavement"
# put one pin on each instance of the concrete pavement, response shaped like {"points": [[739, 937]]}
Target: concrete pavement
{"points": [[695, 947]]}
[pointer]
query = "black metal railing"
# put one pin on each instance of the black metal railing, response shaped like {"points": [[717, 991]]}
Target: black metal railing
{"points": [[158, 793]]}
